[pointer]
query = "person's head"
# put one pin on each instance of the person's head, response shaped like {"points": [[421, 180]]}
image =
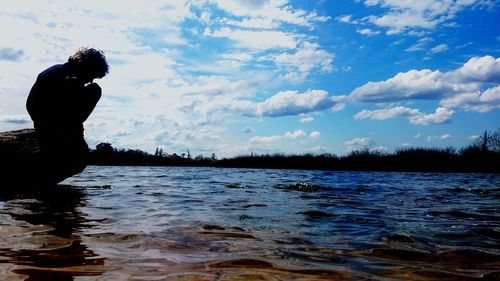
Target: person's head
{"points": [[89, 63]]}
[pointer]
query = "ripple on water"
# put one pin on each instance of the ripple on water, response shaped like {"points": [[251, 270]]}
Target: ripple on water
{"points": [[179, 223], [302, 186]]}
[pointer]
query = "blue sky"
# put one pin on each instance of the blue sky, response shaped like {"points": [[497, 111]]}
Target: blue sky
{"points": [[234, 77]]}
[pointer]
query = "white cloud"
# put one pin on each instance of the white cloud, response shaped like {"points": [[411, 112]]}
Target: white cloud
{"points": [[307, 58], [269, 11], [359, 143], [473, 137], [415, 16], [255, 23], [480, 69], [479, 102], [386, 113], [295, 134], [314, 135], [419, 45], [264, 139], [445, 137], [243, 57], [340, 105], [379, 149], [235, 60], [283, 103], [345, 19], [258, 40], [458, 88], [414, 84], [294, 77], [440, 48], [368, 32], [307, 119], [317, 150], [441, 115], [414, 115], [294, 103]]}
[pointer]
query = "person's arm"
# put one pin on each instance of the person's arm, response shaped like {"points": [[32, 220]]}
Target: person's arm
{"points": [[88, 100], [81, 99]]}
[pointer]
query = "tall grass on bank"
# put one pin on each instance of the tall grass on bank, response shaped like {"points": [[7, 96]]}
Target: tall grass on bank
{"points": [[483, 155]]}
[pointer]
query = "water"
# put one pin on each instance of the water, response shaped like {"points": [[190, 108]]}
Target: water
{"points": [[171, 223]]}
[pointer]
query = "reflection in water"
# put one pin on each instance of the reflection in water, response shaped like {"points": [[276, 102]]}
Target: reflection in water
{"points": [[39, 235]]}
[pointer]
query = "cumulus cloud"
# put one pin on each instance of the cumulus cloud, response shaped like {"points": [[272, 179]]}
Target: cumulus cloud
{"points": [[253, 23], [479, 102], [295, 134], [307, 58], [460, 88], [359, 143], [235, 59], [445, 137], [480, 70], [414, 84], [307, 119], [345, 19], [414, 16], [314, 135], [264, 139], [271, 12], [294, 103], [386, 113], [284, 103], [441, 115], [368, 32], [440, 48]]}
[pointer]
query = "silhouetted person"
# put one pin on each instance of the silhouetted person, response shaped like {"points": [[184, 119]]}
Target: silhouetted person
{"points": [[61, 99]]}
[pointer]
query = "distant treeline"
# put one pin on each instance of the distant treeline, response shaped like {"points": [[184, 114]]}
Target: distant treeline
{"points": [[483, 155]]}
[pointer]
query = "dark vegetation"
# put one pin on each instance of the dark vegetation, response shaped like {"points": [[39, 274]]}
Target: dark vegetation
{"points": [[483, 155]]}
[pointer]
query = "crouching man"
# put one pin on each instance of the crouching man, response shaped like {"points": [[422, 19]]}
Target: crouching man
{"points": [[62, 98]]}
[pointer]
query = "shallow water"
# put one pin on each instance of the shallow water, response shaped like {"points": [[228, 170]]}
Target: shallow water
{"points": [[171, 223]]}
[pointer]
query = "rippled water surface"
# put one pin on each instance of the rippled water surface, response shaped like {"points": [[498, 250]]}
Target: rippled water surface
{"points": [[171, 223]]}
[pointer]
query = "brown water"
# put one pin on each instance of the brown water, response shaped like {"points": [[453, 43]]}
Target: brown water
{"points": [[167, 223]]}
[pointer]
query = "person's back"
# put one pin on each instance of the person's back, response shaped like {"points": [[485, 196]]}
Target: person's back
{"points": [[61, 99]]}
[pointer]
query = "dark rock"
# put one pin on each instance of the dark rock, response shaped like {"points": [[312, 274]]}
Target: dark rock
{"points": [[19, 142], [21, 164]]}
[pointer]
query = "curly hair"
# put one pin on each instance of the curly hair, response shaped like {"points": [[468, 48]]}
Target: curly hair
{"points": [[91, 61]]}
